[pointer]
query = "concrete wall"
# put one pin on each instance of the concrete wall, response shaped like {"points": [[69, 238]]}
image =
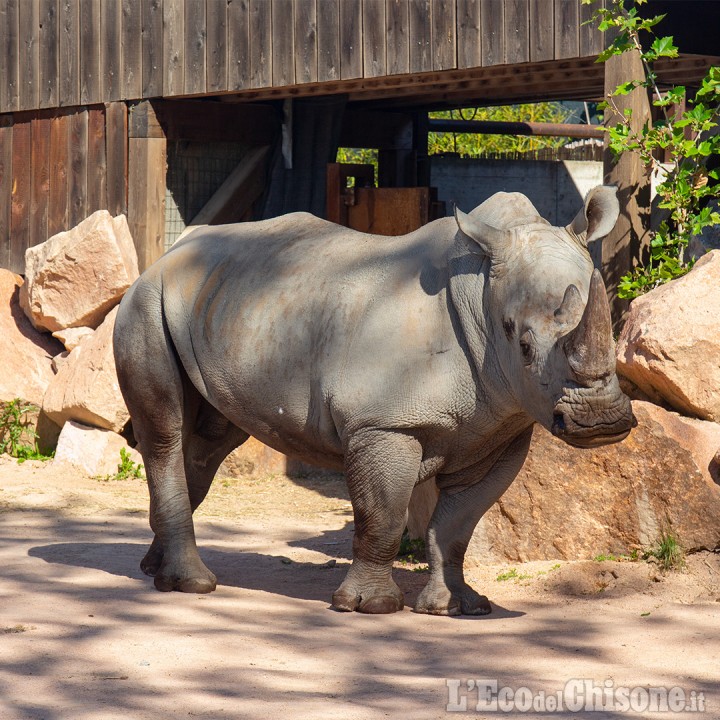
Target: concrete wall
{"points": [[556, 188]]}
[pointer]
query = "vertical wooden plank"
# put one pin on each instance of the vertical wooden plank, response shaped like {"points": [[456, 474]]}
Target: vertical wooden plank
{"points": [[398, 42], [591, 39], [29, 36], [469, 35], [444, 34], [195, 46], [97, 162], [152, 48], [283, 61], [6, 186], [420, 36], [216, 20], [374, 38], [306, 45], [623, 246], [116, 140], [9, 56], [58, 208], [20, 204], [90, 75], [77, 183], [131, 49], [351, 61], [40, 174], [517, 31], [328, 19], [49, 42], [493, 33], [541, 30], [69, 53], [111, 48], [567, 28], [238, 45], [260, 30], [146, 197], [173, 47]]}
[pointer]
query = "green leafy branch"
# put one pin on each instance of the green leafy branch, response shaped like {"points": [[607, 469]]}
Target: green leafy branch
{"points": [[18, 437], [684, 189]]}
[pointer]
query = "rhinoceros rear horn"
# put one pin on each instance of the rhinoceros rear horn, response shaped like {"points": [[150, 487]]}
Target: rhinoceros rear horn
{"points": [[491, 240], [589, 346], [598, 215]]}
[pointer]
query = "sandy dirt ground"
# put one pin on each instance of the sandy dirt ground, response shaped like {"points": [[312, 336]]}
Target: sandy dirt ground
{"points": [[84, 635]]}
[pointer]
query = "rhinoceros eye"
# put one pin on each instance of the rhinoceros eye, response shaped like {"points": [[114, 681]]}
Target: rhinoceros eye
{"points": [[526, 348]]}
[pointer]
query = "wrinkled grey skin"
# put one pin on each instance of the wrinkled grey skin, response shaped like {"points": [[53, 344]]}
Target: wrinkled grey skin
{"points": [[398, 359]]}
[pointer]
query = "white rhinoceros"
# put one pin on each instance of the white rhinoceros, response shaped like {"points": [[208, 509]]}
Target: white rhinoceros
{"points": [[397, 359]]}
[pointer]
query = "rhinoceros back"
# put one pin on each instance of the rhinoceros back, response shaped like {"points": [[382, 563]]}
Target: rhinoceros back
{"points": [[274, 321]]}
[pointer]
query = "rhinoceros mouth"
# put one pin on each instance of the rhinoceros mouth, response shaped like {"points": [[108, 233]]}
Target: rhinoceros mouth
{"points": [[591, 436]]}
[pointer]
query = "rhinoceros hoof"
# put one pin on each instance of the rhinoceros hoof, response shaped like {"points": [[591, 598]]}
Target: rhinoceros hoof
{"points": [[187, 576], [152, 561], [378, 604], [440, 601], [374, 601], [198, 585]]}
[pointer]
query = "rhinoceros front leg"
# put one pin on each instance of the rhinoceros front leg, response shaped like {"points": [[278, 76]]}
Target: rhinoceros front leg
{"points": [[450, 529], [382, 468]]}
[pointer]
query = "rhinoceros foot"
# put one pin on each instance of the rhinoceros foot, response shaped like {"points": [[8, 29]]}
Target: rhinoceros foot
{"points": [[152, 561], [184, 575], [439, 600], [373, 599]]}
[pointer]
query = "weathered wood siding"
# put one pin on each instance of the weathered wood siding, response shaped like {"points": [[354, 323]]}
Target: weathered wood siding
{"points": [[56, 53], [57, 167]]}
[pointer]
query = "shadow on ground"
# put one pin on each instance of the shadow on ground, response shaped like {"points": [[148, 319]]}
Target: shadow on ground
{"points": [[97, 641]]}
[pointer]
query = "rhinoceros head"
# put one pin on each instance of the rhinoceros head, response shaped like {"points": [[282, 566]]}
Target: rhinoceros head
{"points": [[548, 317]]}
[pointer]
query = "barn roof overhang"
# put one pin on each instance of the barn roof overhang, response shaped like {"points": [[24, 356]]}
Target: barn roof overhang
{"points": [[569, 79]]}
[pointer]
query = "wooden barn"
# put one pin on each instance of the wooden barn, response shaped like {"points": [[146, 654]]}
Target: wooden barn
{"points": [[181, 112]]}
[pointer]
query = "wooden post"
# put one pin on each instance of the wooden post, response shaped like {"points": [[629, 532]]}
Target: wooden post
{"points": [[147, 170], [624, 246]]}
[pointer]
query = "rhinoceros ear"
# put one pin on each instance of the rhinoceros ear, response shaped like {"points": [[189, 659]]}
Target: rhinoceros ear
{"points": [[598, 215], [490, 239]]}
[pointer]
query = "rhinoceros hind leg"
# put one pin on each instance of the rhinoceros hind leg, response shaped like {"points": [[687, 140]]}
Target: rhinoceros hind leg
{"points": [[382, 468], [211, 440]]}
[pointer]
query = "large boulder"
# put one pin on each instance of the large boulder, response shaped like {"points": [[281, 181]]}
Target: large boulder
{"points": [[86, 388], [91, 450], [669, 347], [571, 504], [76, 277], [25, 354]]}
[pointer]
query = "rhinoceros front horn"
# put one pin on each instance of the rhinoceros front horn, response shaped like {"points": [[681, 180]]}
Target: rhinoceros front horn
{"points": [[589, 346]]}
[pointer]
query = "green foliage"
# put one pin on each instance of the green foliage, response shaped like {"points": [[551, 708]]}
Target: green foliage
{"points": [[683, 190], [127, 469], [475, 145], [632, 557], [667, 551], [17, 436], [512, 574], [359, 156], [411, 550]]}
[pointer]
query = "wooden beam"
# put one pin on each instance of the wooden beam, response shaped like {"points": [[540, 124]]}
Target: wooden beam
{"points": [[116, 140], [6, 186], [238, 192], [623, 247], [147, 169]]}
